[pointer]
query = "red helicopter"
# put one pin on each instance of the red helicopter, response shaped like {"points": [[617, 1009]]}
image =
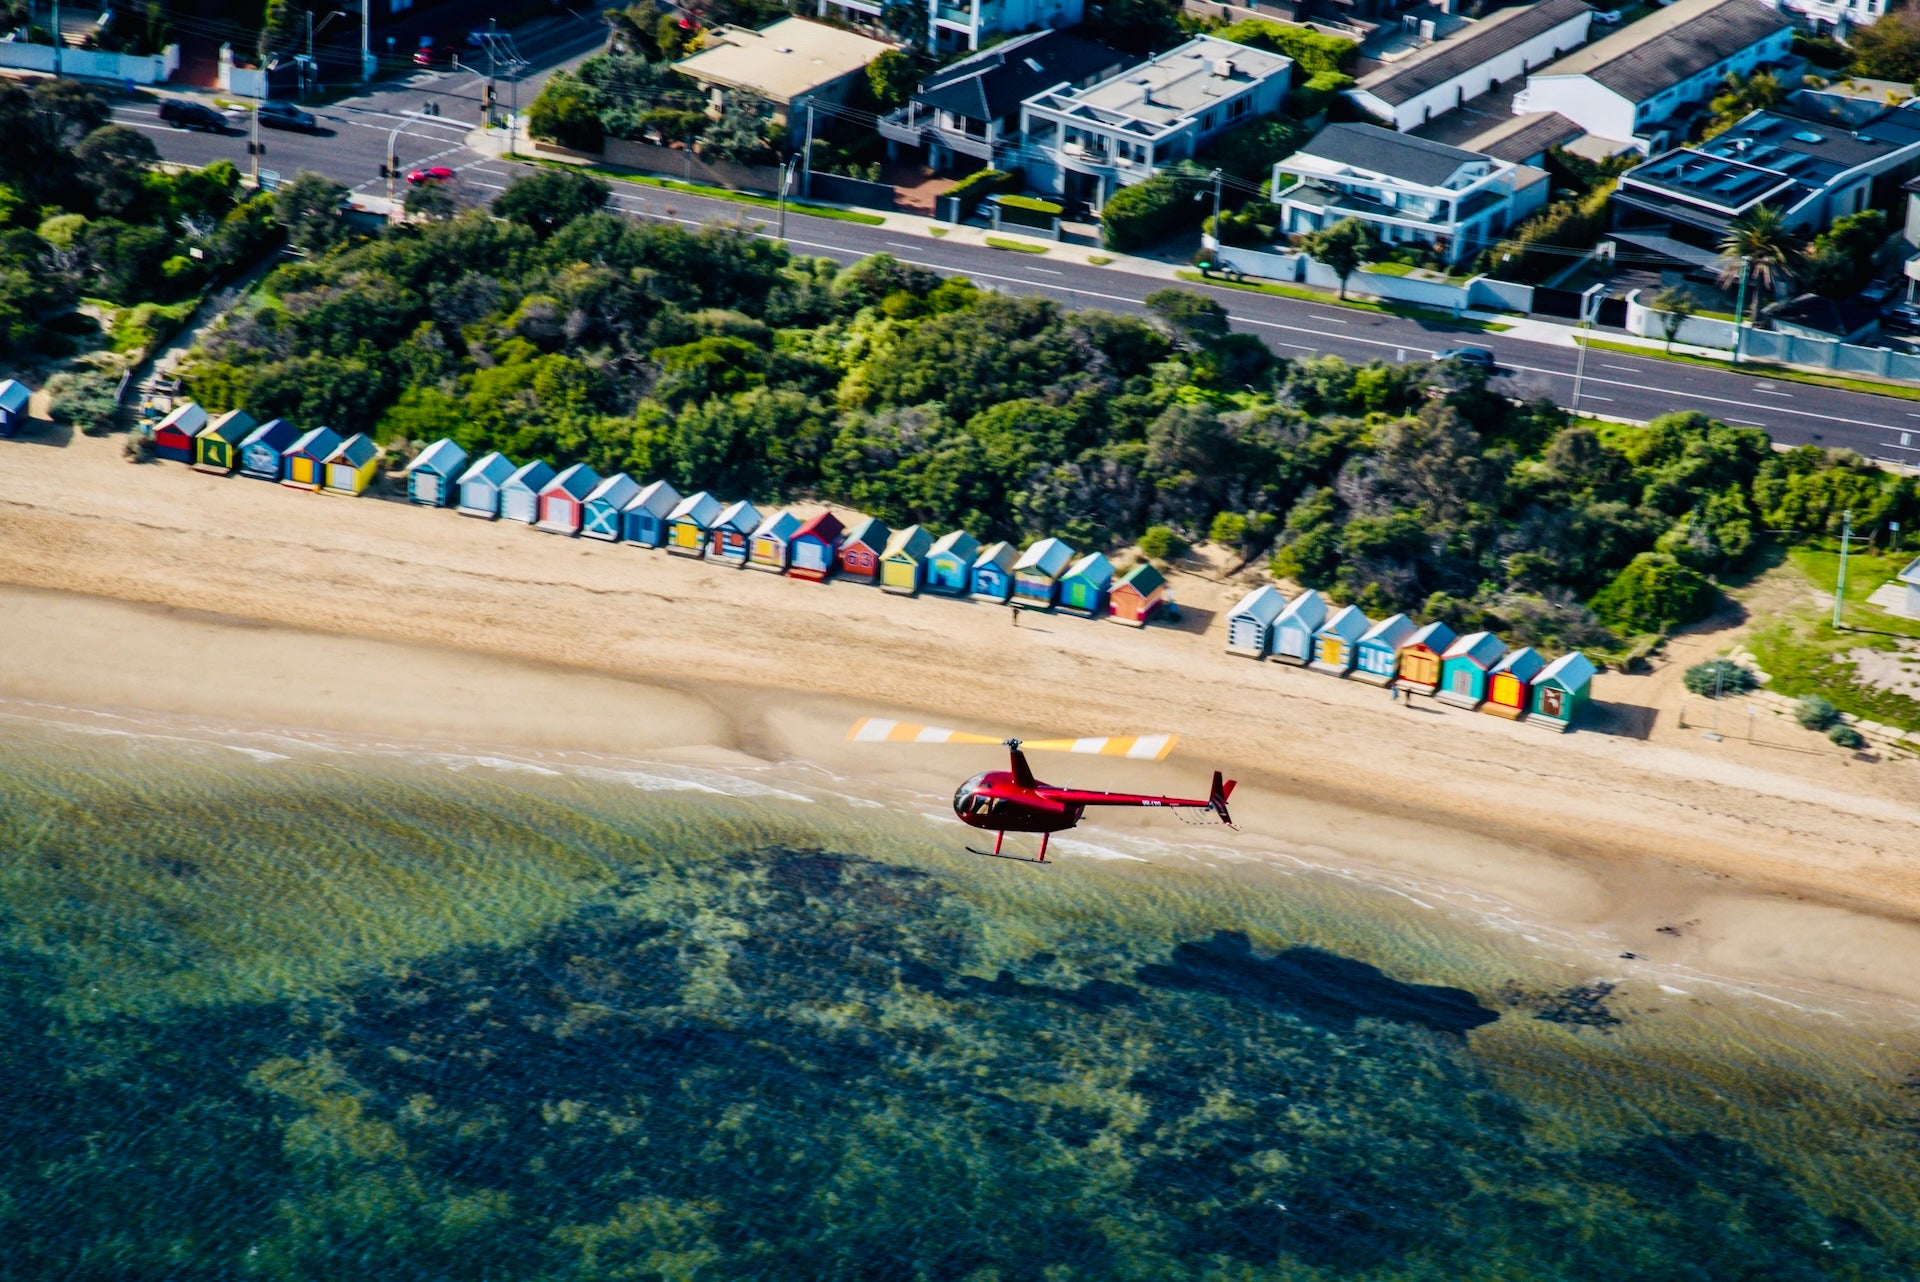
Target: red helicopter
{"points": [[1012, 800]]}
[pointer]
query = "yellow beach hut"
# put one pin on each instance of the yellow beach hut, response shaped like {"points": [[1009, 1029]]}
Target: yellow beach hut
{"points": [[216, 448], [352, 467], [903, 565]]}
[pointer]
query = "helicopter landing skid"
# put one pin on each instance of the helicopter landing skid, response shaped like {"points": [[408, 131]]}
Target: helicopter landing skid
{"points": [[1018, 859]]}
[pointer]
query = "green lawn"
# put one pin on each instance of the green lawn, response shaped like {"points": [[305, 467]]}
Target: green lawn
{"points": [[1390, 269], [1802, 654], [1018, 246], [1362, 305], [1765, 369], [754, 199]]}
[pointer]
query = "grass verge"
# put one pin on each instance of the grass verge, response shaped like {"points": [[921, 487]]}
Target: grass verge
{"points": [[1803, 654], [1765, 369], [1427, 314], [753, 199], [936, 231], [1098, 260], [1018, 246]]}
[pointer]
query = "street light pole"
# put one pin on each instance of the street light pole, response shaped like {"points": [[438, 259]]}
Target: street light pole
{"points": [[1580, 361], [393, 157], [59, 38], [253, 148], [1740, 309], [786, 181], [366, 31], [1840, 584]]}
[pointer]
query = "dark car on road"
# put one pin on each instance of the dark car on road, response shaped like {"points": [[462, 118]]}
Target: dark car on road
{"points": [[284, 115], [182, 114], [1478, 356]]}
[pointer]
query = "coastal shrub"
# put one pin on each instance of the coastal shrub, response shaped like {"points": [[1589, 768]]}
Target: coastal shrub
{"points": [[1147, 213], [1313, 52], [978, 185], [1317, 94], [1158, 543], [83, 399], [567, 111], [1565, 224], [1248, 152], [1847, 737], [1816, 713], [1719, 677]]}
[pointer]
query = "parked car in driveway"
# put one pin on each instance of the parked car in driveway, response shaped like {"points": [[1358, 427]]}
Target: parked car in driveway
{"points": [[183, 114], [284, 115], [1479, 356], [437, 174]]}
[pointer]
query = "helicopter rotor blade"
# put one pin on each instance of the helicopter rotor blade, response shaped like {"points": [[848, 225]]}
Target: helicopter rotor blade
{"points": [[1145, 747], [877, 730]]}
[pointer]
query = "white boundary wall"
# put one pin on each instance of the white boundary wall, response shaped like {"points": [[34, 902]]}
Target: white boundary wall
{"points": [[89, 64]]}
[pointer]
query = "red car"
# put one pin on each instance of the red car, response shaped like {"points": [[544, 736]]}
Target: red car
{"points": [[437, 174]]}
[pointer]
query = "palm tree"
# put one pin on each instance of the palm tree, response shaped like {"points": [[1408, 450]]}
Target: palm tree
{"points": [[1769, 252]]}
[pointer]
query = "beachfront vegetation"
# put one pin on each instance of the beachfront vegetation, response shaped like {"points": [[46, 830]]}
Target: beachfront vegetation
{"points": [[1870, 666], [712, 358], [1718, 678]]}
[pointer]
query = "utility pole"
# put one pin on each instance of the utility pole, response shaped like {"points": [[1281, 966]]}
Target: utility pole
{"points": [[1216, 176], [806, 183], [1580, 361], [492, 25], [366, 32], [1740, 309], [786, 181], [1840, 584], [393, 157], [253, 148], [59, 38]]}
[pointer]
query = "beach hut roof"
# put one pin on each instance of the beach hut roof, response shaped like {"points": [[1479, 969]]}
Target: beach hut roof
{"points": [[1570, 670], [577, 481], [320, 442], [742, 516], [357, 450], [1264, 603], [781, 525], [1306, 603], [275, 434], [699, 507], [871, 531], [1348, 621], [187, 416], [1483, 648], [617, 489], [824, 526], [1048, 556], [1092, 567], [533, 476], [1143, 578], [656, 497], [231, 427], [1392, 630], [495, 468], [1435, 636], [14, 395], [998, 556], [1523, 663], [912, 541], [442, 457], [959, 543]]}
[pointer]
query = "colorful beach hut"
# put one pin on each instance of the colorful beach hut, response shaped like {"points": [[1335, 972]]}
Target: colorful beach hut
{"points": [[1420, 658], [772, 543], [1140, 594], [1294, 630], [815, 547], [862, 548], [1465, 666], [217, 448], [305, 461], [992, 573], [520, 493], [173, 435], [1250, 623], [14, 396], [1036, 575], [1560, 690], [1336, 645], [1084, 587], [563, 499], [350, 469], [730, 540], [1377, 655], [903, 564], [480, 485], [950, 563], [1511, 682], [433, 478], [644, 523], [263, 454], [688, 523], [600, 515]]}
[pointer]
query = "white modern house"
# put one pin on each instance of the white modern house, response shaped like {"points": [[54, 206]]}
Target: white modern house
{"points": [[1626, 85], [963, 24], [1085, 144], [1477, 60], [1836, 17], [1408, 190]]}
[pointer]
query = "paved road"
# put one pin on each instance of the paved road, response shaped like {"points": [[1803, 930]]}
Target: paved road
{"points": [[354, 133]]}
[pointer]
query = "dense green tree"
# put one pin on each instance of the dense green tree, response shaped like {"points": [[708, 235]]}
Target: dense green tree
{"points": [[1653, 593], [310, 207], [567, 110], [1888, 50], [1343, 247], [892, 78], [549, 199], [111, 162]]}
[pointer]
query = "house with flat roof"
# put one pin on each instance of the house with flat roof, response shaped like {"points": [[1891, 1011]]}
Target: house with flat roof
{"points": [[1811, 171], [962, 24], [1477, 60], [1407, 190], [1627, 85], [971, 108], [791, 63], [1085, 144]]}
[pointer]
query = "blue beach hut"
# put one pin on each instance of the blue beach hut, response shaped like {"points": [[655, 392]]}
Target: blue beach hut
{"points": [[1036, 575], [1336, 644], [644, 523], [263, 453], [1560, 691], [1465, 666], [1293, 630], [480, 485], [992, 573], [1250, 623], [1377, 656], [520, 493], [730, 540], [600, 515], [14, 396], [433, 478], [949, 566], [688, 523], [1084, 587], [304, 465]]}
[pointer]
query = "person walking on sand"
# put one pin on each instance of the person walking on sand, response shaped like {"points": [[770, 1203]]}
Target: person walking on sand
{"points": [[1016, 614]]}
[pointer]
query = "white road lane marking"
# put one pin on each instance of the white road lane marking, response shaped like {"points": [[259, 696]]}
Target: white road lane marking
{"points": [[1624, 369]]}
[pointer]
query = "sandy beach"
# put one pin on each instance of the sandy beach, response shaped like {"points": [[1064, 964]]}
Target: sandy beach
{"points": [[160, 588]]}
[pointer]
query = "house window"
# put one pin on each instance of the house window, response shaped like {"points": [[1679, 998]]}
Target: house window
{"points": [[1238, 108]]}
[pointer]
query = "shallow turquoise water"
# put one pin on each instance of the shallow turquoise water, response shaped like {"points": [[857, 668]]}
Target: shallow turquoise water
{"points": [[282, 1008]]}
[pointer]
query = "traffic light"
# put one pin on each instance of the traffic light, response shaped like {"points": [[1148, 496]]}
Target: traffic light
{"points": [[486, 99]]}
